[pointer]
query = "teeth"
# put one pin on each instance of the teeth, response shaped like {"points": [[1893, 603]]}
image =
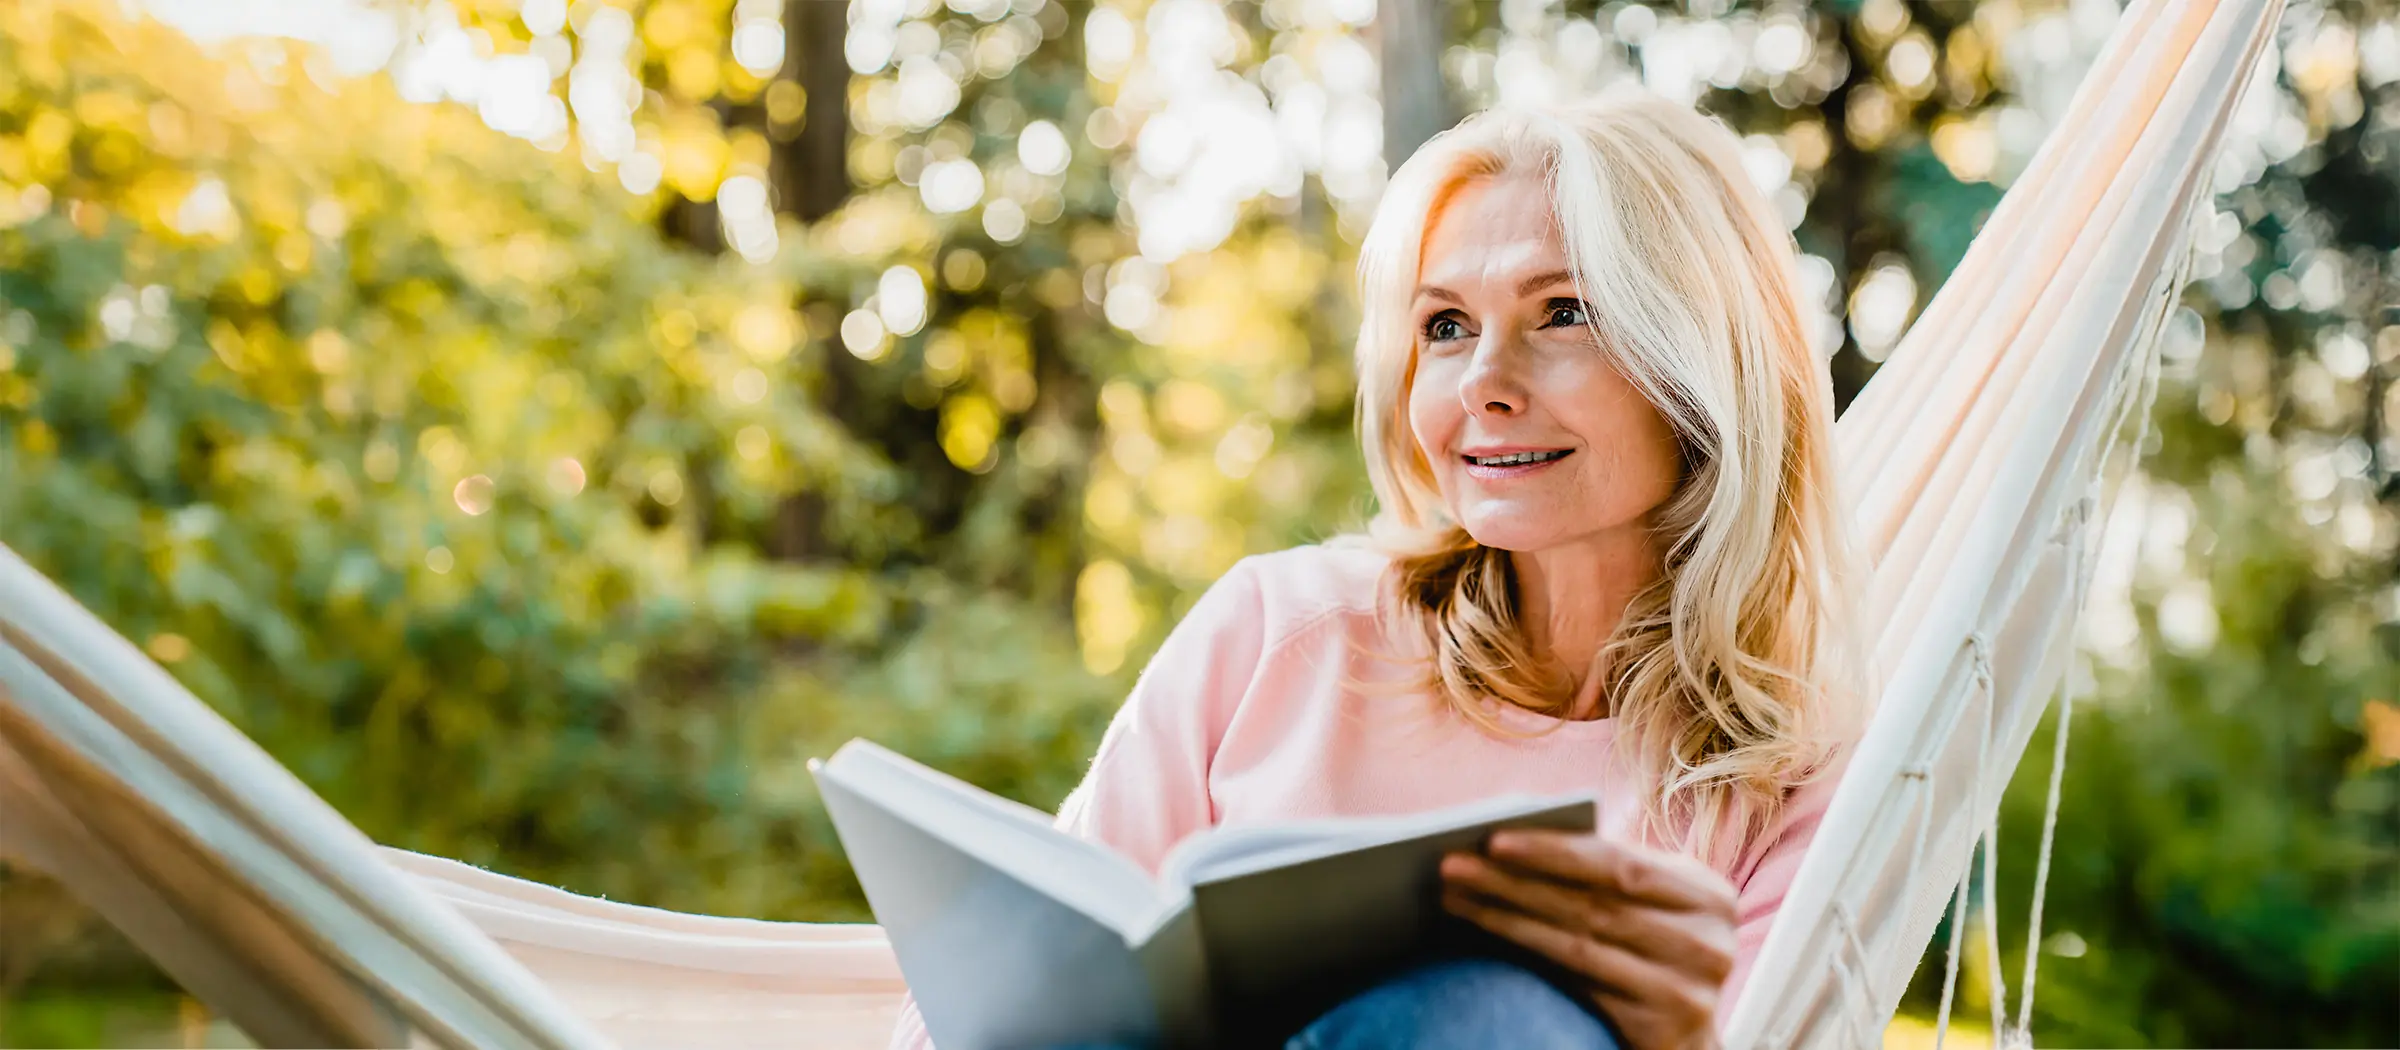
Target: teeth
{"points": [[1514, 458]]}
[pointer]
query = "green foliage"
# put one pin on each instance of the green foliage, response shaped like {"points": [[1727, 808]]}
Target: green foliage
{"points": [[416, 453], [1932, 201], [2228, 856]]}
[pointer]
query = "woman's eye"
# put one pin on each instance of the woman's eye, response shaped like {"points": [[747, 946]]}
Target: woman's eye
{"points": [[1567, 312], [1443, 328]]}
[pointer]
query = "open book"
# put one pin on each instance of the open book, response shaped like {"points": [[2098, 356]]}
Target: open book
{"points": [[1014, 934]]}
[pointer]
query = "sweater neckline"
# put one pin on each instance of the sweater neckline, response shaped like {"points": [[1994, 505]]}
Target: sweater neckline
{"points": [[1518, 719]]}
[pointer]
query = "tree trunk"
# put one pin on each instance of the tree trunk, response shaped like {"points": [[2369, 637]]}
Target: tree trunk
{"points": [[812, 171], [692, 224], [1409, 36]]}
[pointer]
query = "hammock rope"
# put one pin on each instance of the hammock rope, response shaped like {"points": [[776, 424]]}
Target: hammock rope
{"points": [[2041, 868], [1980, 661], [1857, 977], [2073, 531], [1997, 994], [1958, 922]]}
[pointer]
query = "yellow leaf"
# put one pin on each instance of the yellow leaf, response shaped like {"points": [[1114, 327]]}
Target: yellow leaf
{"points": [[970, 425], [46, 138], [694, 157], [692, 72], [36, 438], [2379, 722], [169, 648], [669, 25], [764, 331], [1108, 615]]}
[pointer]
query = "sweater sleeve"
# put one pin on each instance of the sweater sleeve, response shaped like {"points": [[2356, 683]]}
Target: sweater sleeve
{"points": [[1147, 788], [1761, 895]]}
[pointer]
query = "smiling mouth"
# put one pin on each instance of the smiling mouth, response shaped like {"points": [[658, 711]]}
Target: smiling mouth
{"points": [[1517, 459]]}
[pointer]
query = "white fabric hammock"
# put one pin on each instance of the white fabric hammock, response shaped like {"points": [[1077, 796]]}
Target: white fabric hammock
{"points": [[1977, 457]]}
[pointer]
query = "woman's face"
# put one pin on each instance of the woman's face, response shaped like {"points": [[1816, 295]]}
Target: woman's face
{"points": [[1534, 438]]}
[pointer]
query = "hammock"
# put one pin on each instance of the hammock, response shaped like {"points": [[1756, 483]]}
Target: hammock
{"points": [[1978, 458]]}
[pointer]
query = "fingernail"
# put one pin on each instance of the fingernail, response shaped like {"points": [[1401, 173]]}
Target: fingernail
{"points": [[1457, 865]]}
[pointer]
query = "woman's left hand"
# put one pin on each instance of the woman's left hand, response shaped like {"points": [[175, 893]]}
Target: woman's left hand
{"points": [[1650, 932]]}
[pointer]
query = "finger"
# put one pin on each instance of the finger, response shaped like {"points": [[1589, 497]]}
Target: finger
{"points": [[1611, 966], [1657, 876], [1676, 1020], [1699, 944], [1650, 1005], [1571, 906]]}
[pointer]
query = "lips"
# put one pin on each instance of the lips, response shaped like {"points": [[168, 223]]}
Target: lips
{"points": [[1517, 459], [1496, 464]]}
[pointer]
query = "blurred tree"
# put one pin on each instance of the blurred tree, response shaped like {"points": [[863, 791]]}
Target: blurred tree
{"points": [[812, 172], [1417, 104], [2229, 851], [2225, 870], [415, 451], [955, 334]]}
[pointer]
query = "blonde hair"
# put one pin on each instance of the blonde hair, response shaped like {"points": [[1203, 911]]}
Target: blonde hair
{"points": [[1731, 678]]}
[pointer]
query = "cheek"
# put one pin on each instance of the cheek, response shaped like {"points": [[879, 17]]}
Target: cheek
{"points": [[1433, 413], [1660, 454], [1613, 416]]}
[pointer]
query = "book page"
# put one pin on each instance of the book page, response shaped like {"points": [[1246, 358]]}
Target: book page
{"points": [[1010, 932], [1009, 836], [1229, 852]]}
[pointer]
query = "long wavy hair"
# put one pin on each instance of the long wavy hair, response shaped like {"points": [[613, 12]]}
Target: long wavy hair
{"points": [[1733, 678]]}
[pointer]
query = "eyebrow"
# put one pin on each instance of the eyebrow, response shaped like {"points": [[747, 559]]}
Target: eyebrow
{"points": [[1527, 286], [1540, 281]]}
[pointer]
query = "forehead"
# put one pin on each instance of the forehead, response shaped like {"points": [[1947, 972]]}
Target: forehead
{"points": [[1491, 228]]}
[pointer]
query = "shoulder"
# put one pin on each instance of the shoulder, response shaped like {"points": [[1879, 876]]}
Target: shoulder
{"points": [[1291, 591], [1267, 602]]}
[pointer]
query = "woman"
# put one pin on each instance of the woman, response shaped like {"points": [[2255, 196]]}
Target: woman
{"points": [[1608, 557]]}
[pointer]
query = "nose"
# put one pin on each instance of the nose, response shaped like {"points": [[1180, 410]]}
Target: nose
{"points": [[1491, 385]]}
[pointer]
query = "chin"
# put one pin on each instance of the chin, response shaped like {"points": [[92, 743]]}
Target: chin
{"points": [[1510, 533]]}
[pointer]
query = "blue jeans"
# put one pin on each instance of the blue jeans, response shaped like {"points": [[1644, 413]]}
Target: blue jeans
{"points": [[1463, 1004]]}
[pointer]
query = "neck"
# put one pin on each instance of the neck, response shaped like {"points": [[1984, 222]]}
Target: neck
{"points": [[1572, 597]]}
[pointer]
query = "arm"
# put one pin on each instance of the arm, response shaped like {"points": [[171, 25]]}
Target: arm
{"points": [[1147, 788], [1647, 934], [1762, 893], [1664, 942]]}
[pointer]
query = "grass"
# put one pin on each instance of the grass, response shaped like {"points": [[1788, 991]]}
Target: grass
{"points": [[1918, 1033]]}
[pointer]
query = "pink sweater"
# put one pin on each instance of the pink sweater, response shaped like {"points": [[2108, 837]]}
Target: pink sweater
{"points": [[1249, 712]]}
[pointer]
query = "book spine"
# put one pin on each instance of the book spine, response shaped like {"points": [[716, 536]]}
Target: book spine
{"points": [[1175, 960]]}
